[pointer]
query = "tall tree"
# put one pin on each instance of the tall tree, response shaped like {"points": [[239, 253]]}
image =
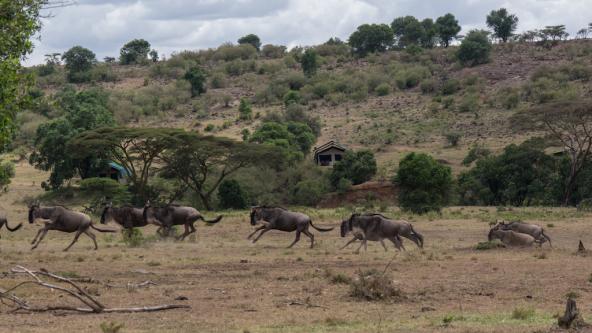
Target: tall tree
{"points": [[475, 48], [407, 30], [138, 150], [197, 80], [79, 61], [428, 39], [134, 52], [19, 21], [251, 39], [447, 28], [503, 23], [371, 38], [202, 163]]}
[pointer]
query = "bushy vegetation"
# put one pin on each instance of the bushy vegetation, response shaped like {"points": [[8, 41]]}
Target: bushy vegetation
{"points": [[231, 195], [357, 167], [424, 184]]}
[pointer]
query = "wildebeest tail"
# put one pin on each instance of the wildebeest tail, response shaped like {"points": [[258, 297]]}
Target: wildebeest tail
{"points": [[100, 230], [320, 229], [5, 222], [418, 235], [216, 220]]}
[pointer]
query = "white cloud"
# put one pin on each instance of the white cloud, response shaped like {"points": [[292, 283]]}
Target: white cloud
{"points": [[105, 25]]}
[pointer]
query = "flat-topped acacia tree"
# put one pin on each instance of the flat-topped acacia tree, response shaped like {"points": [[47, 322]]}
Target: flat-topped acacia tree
{"points": [[198, 162]]}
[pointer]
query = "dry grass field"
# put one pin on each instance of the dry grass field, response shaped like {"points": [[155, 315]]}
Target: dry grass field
{"points": [[233, 285]]}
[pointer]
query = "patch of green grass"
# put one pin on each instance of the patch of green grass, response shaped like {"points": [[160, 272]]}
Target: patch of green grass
{"points": [[521, 313], [489, 245]]}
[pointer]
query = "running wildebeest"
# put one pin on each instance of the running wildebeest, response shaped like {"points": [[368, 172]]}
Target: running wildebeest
{"points": [[533, 230], [171, 215], [4, 222], [377, 227], [277, 218], [64, 220], [511, 238]]}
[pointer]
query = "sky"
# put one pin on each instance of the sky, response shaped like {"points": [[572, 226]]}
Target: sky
{"points": [[176, 25]]}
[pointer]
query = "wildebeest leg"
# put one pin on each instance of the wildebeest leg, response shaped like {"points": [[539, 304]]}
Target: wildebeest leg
{"points": [[382, 242], [361, 244], [351, 241], [37, 236], [256, 230], [182, 237], [43, 232], [261, 234], [310, 235], [296, 239], [74, 240], [398, 244], [93, 237]]}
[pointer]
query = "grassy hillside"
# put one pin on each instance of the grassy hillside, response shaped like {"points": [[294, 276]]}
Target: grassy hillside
{"points": [[392, 102]]}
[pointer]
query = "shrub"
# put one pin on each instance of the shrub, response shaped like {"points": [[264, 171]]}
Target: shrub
{"points": [[489, 245], [6, 174], [321, 89], [428, 86], [410, 78], [133, 237], [358, 167], [450, 87], [469, 103], [105, 188], [309, 62], [424, 184], [373, 285], [475, 48], [383, 89], [229, 52], [448, 102], [231, 195], [309, 192], [244, 110], [273, 51], [292, 97], [522, 313], [218, 80], [197, 79], [134, 52], [475, 154], [453, 138]]}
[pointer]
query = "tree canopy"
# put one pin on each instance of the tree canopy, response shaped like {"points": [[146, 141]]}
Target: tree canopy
{"points": [[371, 38], [134, 52], [294, 138], [79, 61], [197, 79], [19, 21], [251, 39], [309, 62], [447, 28], [503, 23], [475, 48], [357, 167]]}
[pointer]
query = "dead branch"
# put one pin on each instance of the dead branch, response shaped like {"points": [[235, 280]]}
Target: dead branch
{"points": [[70, 288]]}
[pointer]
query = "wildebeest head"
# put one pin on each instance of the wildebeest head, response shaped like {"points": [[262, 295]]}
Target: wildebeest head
{"points": [[106, 213], [255, 215], [33, 212]]}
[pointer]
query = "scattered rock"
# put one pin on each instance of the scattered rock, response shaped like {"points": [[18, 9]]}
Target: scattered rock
{"points": [[181, 298], [244, 261], [427, 309]]}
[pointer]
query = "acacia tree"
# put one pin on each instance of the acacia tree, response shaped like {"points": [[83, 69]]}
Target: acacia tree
{"points": [[134, 52], [503, 23], [202, 163], [251, 39], [136, 149], [570, 123], [371, 38]]}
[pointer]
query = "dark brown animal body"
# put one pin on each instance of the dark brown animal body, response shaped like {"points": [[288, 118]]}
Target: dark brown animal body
{"points": [[128, 217], [64, 220], [376, 227], [4, 222], [277, 218], [169, 216], [534, 230]]}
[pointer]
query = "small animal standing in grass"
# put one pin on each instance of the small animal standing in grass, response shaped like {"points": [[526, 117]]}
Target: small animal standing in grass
{"points": [[277, 218]]}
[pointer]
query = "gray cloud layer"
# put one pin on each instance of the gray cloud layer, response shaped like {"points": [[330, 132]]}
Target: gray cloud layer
{"points": [[175, 25]]}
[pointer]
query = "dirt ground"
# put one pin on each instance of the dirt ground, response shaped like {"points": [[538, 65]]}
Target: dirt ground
{"points": [[233, 285]]}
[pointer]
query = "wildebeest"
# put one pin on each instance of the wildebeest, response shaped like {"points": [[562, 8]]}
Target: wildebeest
{"points": [[171, 215], [4, 222], [511, 238], [128, 217], [533, 230], [277, 218], [376, 227], [64, 220]]}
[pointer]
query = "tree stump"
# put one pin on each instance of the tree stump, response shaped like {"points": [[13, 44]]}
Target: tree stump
{"points": [[571, 318]]}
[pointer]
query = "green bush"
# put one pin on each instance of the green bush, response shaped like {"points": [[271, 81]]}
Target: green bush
{"points": [[197, 78], [453, 138], [231, 195], [383, 89], [358, 167], [469, 103], [424, 184], [244, 110], [292, 97], [218, 80], [428, 86], [309, 192], [474, 48], [7, 172], [450, 87], [105, 188], [133, 237]]}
